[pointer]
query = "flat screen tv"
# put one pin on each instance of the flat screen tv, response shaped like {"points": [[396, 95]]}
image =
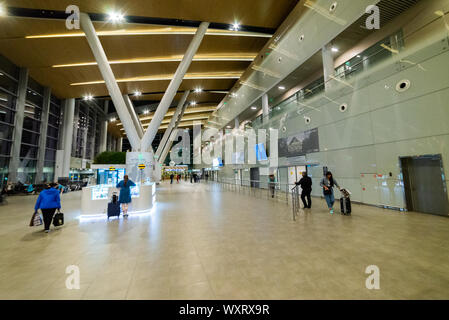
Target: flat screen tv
{"points": [[261, 154]]}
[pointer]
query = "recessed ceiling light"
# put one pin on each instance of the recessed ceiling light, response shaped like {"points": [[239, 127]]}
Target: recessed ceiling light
{"points": [[198, 90], [229, 127], [281, 88], [254, 108], [116, 17], [335, 49], [112, 119], [359, 56], [1, 74], [137, 94], [146, 112], [88, 97], [193, 103], [236, 26]]}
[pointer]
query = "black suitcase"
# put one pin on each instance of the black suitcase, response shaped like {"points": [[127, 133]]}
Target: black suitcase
{"points": [[114, 207], [345, 206]]}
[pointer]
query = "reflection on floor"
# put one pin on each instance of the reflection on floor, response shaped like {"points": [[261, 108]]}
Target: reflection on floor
{"points": [[200, 243]]}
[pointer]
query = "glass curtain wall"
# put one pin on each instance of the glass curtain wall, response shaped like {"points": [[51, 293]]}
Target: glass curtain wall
{"points": [[8, 95]]}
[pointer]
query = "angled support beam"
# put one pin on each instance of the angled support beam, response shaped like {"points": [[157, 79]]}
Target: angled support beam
{"points": [[173, 133], [173, 86], [172, 124], [132, 112], [110, 81]]}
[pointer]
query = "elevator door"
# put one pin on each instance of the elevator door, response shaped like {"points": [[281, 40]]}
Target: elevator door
{"points": [[424, 185]]}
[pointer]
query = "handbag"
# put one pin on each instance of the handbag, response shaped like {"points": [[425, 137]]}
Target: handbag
{"points": [[327, 192], [36, 220], [58, 219]]}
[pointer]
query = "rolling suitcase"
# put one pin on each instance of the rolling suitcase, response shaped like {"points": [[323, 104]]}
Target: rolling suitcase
{"points": [[114, 207], [345, 202]]}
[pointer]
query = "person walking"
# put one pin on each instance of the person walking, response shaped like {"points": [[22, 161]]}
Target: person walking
{"points": [[272, 184], [328, 183], [306, 187], [124, 197], [172, 176], [48, 202]]}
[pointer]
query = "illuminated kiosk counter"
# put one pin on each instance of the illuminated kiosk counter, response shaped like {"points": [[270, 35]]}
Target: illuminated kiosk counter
{"points": [[95, 199]]}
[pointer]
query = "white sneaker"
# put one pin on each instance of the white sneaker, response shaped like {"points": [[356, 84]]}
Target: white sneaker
{"points": [[47, 231]]}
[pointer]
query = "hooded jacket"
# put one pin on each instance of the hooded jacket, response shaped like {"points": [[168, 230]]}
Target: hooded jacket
{"points": [[48, 199]]}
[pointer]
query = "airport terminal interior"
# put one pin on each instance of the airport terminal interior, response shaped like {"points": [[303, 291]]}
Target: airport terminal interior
{"points": [[224, 150]]}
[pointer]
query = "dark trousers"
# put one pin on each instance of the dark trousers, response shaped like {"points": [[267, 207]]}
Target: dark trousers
{"points": [[48, 217], [304, 195]]}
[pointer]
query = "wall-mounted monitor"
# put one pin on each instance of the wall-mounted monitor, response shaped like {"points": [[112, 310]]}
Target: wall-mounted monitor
{"points": [[217, 162], [261, 154]]}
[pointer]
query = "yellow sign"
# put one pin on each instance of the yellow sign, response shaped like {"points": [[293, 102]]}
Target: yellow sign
{"points": [[111, 169], [141, 166]]}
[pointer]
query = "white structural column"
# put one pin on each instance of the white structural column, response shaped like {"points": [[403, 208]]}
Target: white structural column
{"points": [[172, 123], [132, 112], [120, 144], [236, 123], [265, 108], [69, 112], [18, 126], [109, 78], [173, 87], [328, 66], [173, 134], [43, 136], [94, 130], [104, 129]]}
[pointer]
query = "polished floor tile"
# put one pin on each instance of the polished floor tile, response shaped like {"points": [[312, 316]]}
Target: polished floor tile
{"points": [[204, 242]]}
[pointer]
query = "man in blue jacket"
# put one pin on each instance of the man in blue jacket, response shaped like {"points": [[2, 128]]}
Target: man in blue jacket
{"points": [[48, 201]]}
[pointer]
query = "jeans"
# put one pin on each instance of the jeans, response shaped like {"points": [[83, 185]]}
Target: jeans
{"points": [[48, 217], [330, 200]]}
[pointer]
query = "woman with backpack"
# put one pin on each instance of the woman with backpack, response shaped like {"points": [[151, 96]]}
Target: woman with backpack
{"points": [[125, 193], [328, 183], [48, 201]]}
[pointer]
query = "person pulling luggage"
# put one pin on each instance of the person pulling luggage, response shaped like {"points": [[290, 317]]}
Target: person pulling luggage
{"points": [[306, 186], [124, 197], [328, 183]]}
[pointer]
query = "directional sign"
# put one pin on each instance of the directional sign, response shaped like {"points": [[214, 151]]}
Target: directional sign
{"points": [[111, 169], [141, 166]]}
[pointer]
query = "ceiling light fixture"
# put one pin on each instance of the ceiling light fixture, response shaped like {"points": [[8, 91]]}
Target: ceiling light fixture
{"points": [[137, 94], [116, 17], [335, 49], [88, 97], [112, 120], [201, 58], [198, 90], [253, 108], [146, 112], [281, 88], [236, 26], [192, 76], [193, 103]]}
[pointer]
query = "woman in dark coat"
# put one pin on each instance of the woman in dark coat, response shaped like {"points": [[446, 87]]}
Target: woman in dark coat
{"points": [[125, 193]]}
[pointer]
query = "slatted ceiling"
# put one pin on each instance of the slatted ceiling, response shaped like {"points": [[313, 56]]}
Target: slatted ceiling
{"points": [[266, 13]]}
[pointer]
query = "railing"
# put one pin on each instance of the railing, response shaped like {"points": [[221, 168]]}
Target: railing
{"points": [[295, 202], [274, 191]]}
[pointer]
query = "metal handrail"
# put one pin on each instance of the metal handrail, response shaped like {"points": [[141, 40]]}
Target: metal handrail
{"points": [[295, 202], [258, 188]]}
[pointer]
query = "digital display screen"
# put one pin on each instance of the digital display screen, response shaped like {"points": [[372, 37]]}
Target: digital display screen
{"points": [[217, 162], [261, 154], [135, 192], [100, 192]]}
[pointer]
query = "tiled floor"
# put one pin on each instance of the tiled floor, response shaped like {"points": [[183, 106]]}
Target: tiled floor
{"points": [[200, 243]]}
